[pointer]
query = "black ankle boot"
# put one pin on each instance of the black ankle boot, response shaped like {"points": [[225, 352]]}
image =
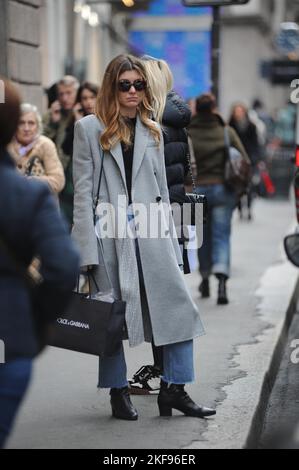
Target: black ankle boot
{"points": [[222, 295], [204, 288], [121, 404], [174, 397]]}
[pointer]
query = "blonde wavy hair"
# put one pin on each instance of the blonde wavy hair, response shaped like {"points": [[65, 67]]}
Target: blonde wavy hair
{"points": [[160, 81], [108, 108]]}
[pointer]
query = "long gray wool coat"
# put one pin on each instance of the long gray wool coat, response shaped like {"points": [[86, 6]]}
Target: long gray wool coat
{"points": [[174, 316]]}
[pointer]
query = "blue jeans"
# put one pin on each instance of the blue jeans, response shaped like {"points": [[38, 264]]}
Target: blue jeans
{"points": [[214, 255], [178, 366], [14, 380]]}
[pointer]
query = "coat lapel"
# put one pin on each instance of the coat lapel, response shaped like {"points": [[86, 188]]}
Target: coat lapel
{"points": [[141, 139], [117, 154]]}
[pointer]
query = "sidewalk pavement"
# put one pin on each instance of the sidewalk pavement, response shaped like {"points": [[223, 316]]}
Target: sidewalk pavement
{"points": [[64, 410]]}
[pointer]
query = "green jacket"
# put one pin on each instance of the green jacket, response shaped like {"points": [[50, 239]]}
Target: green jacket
{"points": [[57, 133], [207, 136]]}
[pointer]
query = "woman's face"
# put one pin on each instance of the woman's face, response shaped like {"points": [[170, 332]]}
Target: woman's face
{"points": [[88, 101], [27, 129], [239, 113], [130, 99]]}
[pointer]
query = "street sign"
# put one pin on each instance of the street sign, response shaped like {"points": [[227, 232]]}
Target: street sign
{"points": [[281, 72], [213, 3]]}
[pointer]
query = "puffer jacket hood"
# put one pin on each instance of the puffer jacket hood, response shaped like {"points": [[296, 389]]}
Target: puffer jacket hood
{"points": [[177, 113]]}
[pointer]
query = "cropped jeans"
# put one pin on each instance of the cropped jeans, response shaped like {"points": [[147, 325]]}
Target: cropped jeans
{"points": [[178, 367], [214, 255]]}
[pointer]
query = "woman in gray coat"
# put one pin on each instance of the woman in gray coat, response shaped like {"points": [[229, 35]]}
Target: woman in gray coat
{"points": [[142, 261]]}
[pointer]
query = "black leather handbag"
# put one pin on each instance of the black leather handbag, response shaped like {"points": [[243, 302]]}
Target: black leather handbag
{"points": [[195, 205]]}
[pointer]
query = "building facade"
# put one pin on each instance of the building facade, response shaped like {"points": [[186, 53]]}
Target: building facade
{"points": [[247, 41], [20, 45], [41, 40]]}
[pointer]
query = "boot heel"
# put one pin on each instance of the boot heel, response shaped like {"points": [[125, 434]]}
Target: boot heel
{"points": [[165, 410]]}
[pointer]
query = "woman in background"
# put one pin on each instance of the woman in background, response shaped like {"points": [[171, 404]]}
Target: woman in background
{"points": [[207, 134], [248, 134], [35, 155], [174, 115], [85, 105]]}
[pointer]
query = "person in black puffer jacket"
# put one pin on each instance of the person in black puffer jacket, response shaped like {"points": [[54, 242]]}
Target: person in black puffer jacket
{"points": [[174, 115], [176, 118]]}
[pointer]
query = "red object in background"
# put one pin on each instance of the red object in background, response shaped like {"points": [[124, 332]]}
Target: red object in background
{"points": [[297, 157], [269, 186], [266, 179]]}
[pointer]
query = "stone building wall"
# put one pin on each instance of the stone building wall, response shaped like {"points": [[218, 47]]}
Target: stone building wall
{"points": [[20, 57], [247, 40]]}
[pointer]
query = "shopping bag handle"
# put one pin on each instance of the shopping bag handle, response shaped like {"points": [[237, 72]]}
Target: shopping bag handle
{"points": [[95, 217]]}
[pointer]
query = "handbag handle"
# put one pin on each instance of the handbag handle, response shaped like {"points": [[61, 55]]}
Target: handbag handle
{"points": [[98, 190], [94, 223], [90, 275]]}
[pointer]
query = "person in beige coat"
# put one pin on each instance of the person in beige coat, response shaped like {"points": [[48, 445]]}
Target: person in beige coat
{"points": [[36, 155]]}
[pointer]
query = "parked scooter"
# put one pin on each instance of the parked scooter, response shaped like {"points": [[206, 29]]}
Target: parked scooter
{"points": [[289, 438], [291, 245], [291, 242]]}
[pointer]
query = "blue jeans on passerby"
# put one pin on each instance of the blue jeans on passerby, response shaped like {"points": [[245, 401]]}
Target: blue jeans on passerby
{"points": [[178, 366], [14, 380], [214, 255]]}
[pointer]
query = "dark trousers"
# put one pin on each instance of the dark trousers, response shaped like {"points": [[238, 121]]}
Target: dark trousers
{"points": [[157, 351], [14, 380]]}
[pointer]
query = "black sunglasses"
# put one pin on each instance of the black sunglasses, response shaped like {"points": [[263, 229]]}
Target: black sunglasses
{"points": [[125, 85]]}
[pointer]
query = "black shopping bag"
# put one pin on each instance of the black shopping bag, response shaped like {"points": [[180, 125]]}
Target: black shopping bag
{"points": [[89, 326]]}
